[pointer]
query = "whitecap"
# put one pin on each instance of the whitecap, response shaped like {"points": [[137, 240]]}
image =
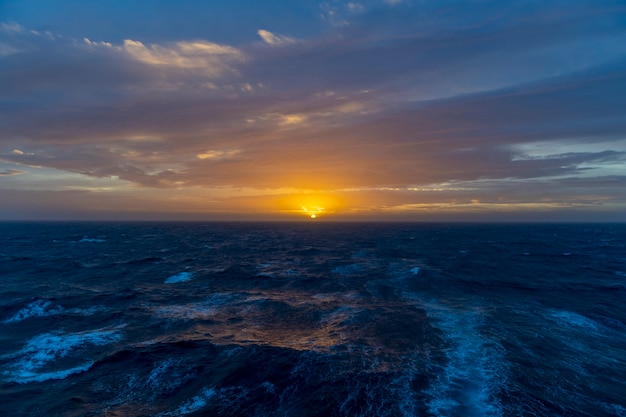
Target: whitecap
{"points": [[44, 349], [25, 376], [39, 308], [180, 277], [91, 240], [45, 308]]}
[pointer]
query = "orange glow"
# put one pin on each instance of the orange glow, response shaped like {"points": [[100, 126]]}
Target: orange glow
{"points": [[312, 205]]}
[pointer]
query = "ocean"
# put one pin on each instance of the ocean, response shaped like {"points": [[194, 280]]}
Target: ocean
{"points": [[312, 319]]}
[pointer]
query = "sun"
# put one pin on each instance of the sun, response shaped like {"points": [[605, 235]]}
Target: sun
{"points": [[312, 211], [312, 206]]}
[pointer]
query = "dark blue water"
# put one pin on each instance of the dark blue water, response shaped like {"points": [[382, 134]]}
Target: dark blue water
{"points": [[312, 319]]}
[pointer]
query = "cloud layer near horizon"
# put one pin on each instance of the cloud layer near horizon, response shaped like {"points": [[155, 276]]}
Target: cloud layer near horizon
{"points": [[395, 106]]}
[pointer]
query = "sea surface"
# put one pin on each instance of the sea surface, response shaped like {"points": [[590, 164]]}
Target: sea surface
{"points": [[312, 319]]}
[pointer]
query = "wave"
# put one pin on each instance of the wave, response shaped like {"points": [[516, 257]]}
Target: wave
{"points": [[574, 320], [35, 362]]}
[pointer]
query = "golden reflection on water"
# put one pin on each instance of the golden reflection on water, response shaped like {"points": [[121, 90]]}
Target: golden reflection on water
{"points": [[310, 322], [291, 319]]}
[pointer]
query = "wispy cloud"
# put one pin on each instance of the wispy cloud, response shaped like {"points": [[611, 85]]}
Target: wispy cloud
{"points": [[274, 39], [210, 58], [12, 172]]}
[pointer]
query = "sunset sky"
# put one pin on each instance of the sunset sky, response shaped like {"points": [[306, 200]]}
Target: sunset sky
{"points": [[350, 110]]}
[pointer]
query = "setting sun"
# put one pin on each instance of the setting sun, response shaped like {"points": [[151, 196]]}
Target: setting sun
{"points": [[311, 205], [312, 211]]}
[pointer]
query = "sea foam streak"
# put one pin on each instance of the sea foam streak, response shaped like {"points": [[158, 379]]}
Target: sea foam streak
{"points": [[472, 377]]}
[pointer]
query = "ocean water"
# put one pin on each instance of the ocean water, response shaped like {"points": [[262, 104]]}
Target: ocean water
{"points": [[312, 319]]}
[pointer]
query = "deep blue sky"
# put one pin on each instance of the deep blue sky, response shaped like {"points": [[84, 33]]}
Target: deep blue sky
{"points": [[373, 109], [233, 21]]}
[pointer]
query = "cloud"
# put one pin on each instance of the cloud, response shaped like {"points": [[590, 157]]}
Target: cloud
{"points": [[390, 105], [215, 155], [11, 27], [274, 39], [12, 172], [210, 58], [87, 70], [355, 7], [6, 50]]}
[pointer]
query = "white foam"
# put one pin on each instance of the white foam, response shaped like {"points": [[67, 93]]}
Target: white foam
{"points": [[91, 240], [472, 376], [44, 308], [46, 348], [25, 376], [194, 404], [39, 308], [180, 277]]}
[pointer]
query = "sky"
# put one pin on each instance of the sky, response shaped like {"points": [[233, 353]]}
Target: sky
{"points": [[399, 110]]}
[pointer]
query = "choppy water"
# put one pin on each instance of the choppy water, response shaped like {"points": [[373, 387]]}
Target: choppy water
{"points": [[312, 319]]}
